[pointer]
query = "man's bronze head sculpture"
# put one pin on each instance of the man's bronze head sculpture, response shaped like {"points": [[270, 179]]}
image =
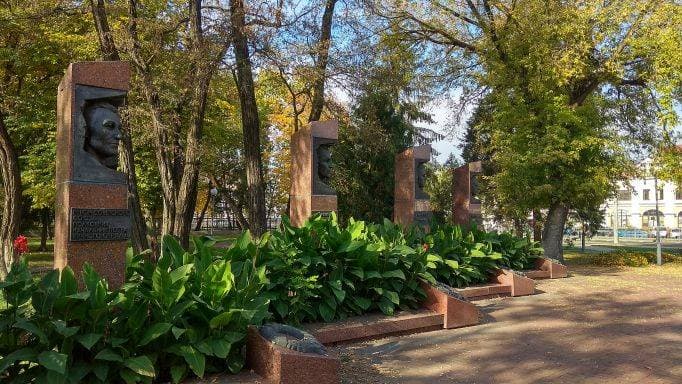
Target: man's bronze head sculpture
{"points": [[102, 133], [324, 162]]}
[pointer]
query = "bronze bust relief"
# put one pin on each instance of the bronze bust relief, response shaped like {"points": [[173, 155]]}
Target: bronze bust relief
{"points": [[322, 162], [420, 180], [96, 135], [102, 133]]}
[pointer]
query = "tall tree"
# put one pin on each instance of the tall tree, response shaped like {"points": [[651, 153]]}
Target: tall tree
{"points": [[110, 52], [250, 118], [11, 210], [176, 101], [320, 73], [557, 70], [37, 41]]}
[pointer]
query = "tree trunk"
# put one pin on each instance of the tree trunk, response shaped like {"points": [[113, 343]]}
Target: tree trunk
{"points": [[322, 61], [250, 119], [45, 223], [178, 160], [106, 41], [204, 208], [110, 52], [139, 240], [518, 227], [537, 228], [11, 209], [582, 238], [553, 232]]}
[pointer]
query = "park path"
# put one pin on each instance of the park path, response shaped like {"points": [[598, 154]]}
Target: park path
{"points": [[598, 326]]}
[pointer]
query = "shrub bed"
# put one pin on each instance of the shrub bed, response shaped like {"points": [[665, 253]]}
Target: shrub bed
{"points": [[632, 259], [188, 312]]}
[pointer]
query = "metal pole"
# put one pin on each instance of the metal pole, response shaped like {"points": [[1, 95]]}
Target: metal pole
{"points": [[615, 222], [659, 258]]}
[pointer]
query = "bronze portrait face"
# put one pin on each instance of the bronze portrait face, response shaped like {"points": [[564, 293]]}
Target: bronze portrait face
{"points": [[103, 133], [421, 175], [324, 165]]}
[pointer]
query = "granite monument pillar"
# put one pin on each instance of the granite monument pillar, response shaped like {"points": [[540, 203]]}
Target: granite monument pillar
{"points": [[411, 202], [92, 216], [466, 206], [311, 162]]}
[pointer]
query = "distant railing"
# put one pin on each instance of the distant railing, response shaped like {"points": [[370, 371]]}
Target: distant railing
{"points": [[229, 223]]}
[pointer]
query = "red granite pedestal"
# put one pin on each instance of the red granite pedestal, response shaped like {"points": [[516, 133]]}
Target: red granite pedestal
{"points": [[74, 187], [408, 207], [456, 313], [465, 207], [303, 201], [547, 269], [284, 366], [502, 283]]}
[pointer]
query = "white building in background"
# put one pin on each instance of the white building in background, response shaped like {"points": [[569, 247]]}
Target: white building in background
{"points": [[637, 204]]}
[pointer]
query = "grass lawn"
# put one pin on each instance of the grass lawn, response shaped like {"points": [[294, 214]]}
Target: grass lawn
{"points": [[578, 258]]}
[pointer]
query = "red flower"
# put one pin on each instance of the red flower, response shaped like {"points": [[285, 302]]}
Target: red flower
{"points": [[21, 245], [425, 247]]}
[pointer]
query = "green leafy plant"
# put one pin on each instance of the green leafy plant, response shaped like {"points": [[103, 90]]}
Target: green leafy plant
{"points": [[323, 271], [186, 313]]}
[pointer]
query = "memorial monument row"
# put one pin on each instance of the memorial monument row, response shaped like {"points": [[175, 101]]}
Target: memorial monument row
{"points": [[92, 218], [411, 202]]}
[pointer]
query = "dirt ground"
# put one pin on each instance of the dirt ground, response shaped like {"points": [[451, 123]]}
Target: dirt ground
{"points": [[600, 325]]}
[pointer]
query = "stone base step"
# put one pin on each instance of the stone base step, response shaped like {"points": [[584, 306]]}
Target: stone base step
{"points": [[376, 326], [485, 291], [537, 274]]}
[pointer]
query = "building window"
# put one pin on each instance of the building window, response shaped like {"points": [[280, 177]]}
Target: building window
{"points": [[624, 195], [623, 222], [660, 194], [646, 194], [649, 218]]}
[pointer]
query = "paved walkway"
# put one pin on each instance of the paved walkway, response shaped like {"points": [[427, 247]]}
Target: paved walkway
{"points": [[598, 326]]}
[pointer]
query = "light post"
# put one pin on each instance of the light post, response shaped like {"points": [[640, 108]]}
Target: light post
{"points": [[659, 259], [214, 193], [616, 221]]}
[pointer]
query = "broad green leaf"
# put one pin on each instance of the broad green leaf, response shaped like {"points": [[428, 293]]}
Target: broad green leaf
{"points": [[393, 296], [101, 370], [53, 361], [395, 273], [32, 328], [53, 377], [372, 275], [89, 340], [154, 332], [326, 312], [195, 360], [23, 354], [178, 372], [222, 319], [140, 365], [62, 329], [108, 354], [386, 307], [129, 376], [177, 332], [221, 348], [362, 302]]}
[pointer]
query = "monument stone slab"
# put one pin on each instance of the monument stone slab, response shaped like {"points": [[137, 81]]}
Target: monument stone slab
{"points": [[411, 201], [92, 218], [466, 205], [311, 162]]}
